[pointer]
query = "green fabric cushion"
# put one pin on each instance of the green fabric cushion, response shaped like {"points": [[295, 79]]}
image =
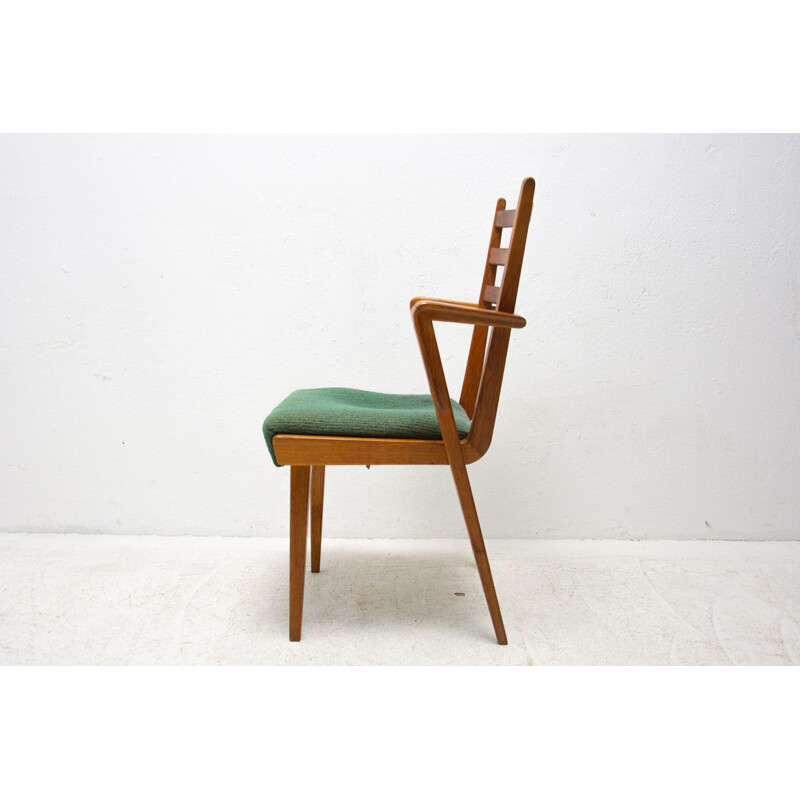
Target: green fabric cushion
{"points": [[351, 412]]}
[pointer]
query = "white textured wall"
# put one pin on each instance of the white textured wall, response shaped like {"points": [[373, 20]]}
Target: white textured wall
{"points": [[161, 293]]}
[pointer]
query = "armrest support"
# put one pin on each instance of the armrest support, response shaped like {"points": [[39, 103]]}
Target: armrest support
{"points": [[470, 313], [424, 311]]}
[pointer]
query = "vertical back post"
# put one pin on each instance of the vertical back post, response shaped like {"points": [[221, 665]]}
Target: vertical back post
{"points": [[491, 379]]}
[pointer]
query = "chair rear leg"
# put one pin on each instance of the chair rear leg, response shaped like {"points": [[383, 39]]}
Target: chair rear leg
{"points": [[317, 495], [467, 501], [298, 537]]}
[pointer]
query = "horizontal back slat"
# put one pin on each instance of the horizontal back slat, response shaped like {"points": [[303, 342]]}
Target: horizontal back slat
{"points": [[505, 219], [498, 256], [491, 294]]}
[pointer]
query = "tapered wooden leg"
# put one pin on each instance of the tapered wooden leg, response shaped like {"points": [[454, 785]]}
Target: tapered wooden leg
{"points": [[447, 424], [464, 490], [317, 495], [298, 536]]}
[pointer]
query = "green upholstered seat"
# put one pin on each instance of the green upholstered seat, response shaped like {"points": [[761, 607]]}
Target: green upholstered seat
{"points": [[351, 412]]}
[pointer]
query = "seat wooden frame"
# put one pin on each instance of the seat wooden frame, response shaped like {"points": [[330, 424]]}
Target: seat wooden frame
{"points": [[480, 393]]}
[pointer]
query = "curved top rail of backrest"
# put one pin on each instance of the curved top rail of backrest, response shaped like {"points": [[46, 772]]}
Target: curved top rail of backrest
{"points": [[483, 378]]}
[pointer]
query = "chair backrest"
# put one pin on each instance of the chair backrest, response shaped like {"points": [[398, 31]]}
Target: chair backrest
{"points": [[480, 392]]}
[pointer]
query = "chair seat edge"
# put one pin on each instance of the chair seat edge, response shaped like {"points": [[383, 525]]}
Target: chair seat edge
{"points": [[296, 450]]}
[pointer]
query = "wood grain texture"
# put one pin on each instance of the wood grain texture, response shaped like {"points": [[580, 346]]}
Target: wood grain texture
{"points": [[498, 256], [416, 300], [516, 247], [317, 498], [491, 294], [504, 219], [444, 311], [488, 390], [342, 450], [477, 347], [444, 412], [298, 536]]}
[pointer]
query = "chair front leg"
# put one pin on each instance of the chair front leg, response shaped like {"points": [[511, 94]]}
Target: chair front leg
{"points": [[298, 536], [447, 424]]}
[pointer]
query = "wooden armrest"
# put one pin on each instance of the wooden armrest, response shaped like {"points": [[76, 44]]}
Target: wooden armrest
{"points": [[471, 313], [442, 300]]}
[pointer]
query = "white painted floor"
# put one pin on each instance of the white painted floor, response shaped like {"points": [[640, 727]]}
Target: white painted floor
{"points": [[86, 599]]}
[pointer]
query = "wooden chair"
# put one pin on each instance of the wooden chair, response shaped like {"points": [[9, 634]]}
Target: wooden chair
{"points": [[314, 428]]}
